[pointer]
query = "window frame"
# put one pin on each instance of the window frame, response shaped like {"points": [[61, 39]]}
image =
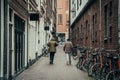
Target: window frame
{"points": [[106, 15], [60, 19]]}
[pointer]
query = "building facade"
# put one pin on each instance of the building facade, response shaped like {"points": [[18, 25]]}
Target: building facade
{"points": [[15, 37], [54, 18], [62, 19], [94, 23], [48, 9], [23, 34], [33, 31]]}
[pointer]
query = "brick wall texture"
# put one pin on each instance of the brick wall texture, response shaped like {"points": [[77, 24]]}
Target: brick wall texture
{"points": [[95, 36]]}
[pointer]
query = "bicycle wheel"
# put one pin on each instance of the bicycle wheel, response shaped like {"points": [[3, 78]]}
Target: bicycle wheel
{"points": [[86, 65], [95, 70], [79, 63], [104, 71], [113, 75], [89, 69]]}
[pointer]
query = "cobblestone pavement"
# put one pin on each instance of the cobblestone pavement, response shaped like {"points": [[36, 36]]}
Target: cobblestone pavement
{"points": [[42, 70]]}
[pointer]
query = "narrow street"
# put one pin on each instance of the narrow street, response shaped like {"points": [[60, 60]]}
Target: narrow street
{"points": [[27, 26], [42, 70]]}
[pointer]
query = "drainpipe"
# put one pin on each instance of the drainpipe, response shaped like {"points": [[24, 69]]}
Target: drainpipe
{"points": [[100, 35], [119, 23], [100, 24], [119, 32], [28, 34]]}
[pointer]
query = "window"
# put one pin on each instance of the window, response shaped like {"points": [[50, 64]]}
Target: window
{"points": [[110, 11], [86, 29], [77, 4], [95, 37], [93, 28], [73, 14], [10, 14], [73, 1], [80, 2], [59, 18], [81, 32], [106, 21], [81, 28], [74, 10], [78, 34], [110, 33]]}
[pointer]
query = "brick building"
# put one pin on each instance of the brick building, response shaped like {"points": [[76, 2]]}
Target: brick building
{"points": [[94, 23], [62, 19]]}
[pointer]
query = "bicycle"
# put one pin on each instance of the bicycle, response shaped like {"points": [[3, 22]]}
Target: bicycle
{"points": [[81, 58], [93, 62], [114, 74], [106, 66], [45, 51]]}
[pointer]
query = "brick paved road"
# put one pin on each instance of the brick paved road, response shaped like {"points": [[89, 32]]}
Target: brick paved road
{"points": [[42, 70]]}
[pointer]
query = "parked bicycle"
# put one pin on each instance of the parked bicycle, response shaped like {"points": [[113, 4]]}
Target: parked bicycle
{"points": [[100, 64], [45, 51], [82, 58], [114, 73]]}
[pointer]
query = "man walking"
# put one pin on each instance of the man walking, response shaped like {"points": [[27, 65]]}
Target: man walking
{"points": [[68, 48], [52, 49]]}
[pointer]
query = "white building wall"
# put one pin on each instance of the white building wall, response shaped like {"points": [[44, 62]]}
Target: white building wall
{"points": [[42, 34], [35, 34], [81, 7], [41, 37], [32, 41], [51, 26]]}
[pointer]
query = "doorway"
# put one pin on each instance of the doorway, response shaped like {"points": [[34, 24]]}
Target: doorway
{"points": [[19, 43]]}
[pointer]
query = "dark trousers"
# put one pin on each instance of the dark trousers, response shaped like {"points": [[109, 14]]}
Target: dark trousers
{"points": [[52, 56]]}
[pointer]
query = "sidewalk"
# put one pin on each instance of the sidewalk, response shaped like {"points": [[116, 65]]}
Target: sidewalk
{"points": [[42, 70]]}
